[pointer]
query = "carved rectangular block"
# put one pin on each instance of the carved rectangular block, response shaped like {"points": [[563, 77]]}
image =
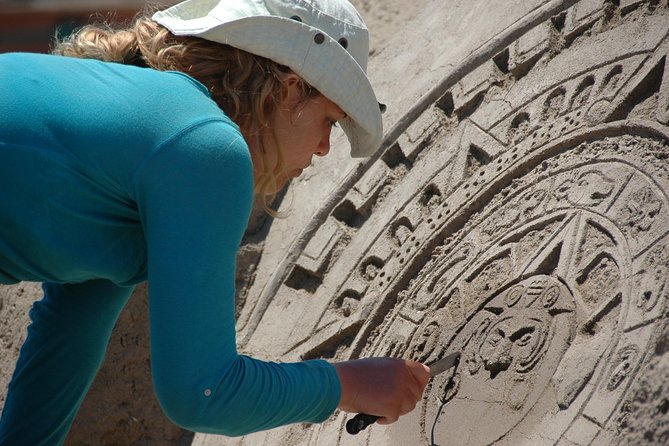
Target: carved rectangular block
{"points": [[606, 438], [628, 5], [469, 92], [417, 136], [322, 242], [368, 185], [528, 49], [582, 15]]}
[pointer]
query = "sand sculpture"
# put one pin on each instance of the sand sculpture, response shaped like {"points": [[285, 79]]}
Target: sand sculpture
{"points": [[520, 217]]}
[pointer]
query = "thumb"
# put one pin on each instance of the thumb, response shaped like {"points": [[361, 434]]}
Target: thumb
{"points": [[420, 372]]}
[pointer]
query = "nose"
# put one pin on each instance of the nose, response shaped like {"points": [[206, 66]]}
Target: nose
{"points": [[500, 359], [324, 145]]}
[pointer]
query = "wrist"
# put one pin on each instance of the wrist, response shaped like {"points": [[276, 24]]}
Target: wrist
{"points": [[348, 386]]}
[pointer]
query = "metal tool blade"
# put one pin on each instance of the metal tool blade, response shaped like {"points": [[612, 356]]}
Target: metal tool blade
{"points": [[444, 363]]}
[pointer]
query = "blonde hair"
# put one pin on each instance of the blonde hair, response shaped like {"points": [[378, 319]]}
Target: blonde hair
{"points": [[246, 86]]}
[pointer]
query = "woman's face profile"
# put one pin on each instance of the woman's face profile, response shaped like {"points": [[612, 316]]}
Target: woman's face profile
{"points": [[302, 128]]}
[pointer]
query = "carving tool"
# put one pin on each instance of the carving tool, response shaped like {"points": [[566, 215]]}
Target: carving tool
{"points": [[361, 420]]}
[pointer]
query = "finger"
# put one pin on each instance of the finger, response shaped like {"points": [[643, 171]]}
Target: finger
{"points": [[416, 391], [420, 375], [387, 420], [420, 372], [407, 407]]}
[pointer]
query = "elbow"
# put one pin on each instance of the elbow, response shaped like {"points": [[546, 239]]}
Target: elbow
{"points": [[191, 408]]}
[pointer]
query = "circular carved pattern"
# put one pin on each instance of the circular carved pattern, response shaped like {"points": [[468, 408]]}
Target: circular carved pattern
{"points": [[531, 237], [544, 302]]}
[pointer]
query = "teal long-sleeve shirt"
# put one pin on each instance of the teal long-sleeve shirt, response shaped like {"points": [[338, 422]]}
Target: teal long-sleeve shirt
{"points": [[128, 174]]}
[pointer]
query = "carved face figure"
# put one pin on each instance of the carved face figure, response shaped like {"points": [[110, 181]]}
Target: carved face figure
{"points": [[513, 343], [509, 351]]}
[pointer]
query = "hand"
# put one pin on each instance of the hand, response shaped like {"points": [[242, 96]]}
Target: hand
{"points": [[386, 387]]}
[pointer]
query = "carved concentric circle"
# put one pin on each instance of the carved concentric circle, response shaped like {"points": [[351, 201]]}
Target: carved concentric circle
{"points": [[544, 314], [524, 223]]}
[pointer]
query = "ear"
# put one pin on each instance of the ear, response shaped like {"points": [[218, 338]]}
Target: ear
{"points": [[292, 91]]}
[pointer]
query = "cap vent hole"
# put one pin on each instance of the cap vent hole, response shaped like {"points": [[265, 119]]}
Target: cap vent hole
{"points": [[297, 18], [343, 42], [319, 38]]}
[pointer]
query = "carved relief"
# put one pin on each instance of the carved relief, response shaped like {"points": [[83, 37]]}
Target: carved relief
{"points": [[622, 367], [652, 278], [640, 211], [435, 281], [371, 267], [525, 207], [504, 355], [582, 93], [553, 104], [561, 256], [520, 128], [401, 231], [347, 303], [587, 188], [611, 80], [544, 261]]}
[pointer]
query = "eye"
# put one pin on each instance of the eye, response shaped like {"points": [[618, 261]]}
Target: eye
{"points": [[523, 336], [525, 339], [334, 124]]}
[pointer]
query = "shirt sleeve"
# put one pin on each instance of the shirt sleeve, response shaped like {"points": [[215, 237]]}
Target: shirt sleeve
{"points": [[194, 194]]}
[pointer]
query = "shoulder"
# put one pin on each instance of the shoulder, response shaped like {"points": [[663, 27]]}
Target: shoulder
{"points": [[210, 151], [213, 137], [206, 168]]}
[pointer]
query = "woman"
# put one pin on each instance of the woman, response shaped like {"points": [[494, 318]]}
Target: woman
{"points": [[142, 165]]}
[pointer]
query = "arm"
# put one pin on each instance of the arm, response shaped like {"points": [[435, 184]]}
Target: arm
{"points": [[64, 349], [194, 194]]}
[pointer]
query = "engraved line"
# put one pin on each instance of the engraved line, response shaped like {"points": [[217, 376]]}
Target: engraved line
{"points": [[532, 225], [615, 199], [605, 308], [434, 424], [577, 234], [546, 244], [505, 252], [326, 331], [487, 133], [592, 420], [647, 248], [643, 324]]}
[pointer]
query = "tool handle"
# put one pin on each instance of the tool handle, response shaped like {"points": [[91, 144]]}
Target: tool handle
{"points": [[360, 422]]}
